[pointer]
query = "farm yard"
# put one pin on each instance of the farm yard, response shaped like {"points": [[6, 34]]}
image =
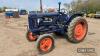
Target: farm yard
{"points": [[13, 40]]}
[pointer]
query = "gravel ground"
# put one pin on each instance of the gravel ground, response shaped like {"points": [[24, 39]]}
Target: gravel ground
{"points": [[13, 40]]}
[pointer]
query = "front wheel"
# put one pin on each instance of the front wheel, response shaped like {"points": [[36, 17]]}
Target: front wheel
{"points": [[45, 43], [30, 36], [77, 30]]}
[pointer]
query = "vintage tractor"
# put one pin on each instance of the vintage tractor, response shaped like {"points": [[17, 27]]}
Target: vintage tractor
{"points": [[43, 27]]}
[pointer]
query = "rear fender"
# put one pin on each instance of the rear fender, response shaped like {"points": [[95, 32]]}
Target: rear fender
{"points": [[71, 17]]}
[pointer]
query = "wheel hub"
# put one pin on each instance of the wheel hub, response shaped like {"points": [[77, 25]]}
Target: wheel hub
{"points": [[80, 31], [45, 44], [31, 37]]}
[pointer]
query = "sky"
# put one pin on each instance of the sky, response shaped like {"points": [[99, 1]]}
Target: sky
{"points": [[31, 4]]}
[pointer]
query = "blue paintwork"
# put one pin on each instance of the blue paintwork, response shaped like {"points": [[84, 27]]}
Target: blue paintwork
{"points": [[9, 13], [59, 22]]}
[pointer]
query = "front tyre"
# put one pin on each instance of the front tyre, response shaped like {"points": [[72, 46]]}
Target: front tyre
{"points": [[30, 36], [77, 30], [45, 43]]}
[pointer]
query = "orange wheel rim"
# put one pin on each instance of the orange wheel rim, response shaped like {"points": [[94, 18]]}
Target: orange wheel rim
{"points": [[31, 37], [46, 44], [80, 31]]}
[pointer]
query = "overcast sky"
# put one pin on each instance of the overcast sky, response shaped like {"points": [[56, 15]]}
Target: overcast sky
{"points": [[31, 4]]}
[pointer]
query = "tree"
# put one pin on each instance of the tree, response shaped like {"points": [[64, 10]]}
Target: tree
{"points": [[88, 6], [1, 10], [4, 8]]}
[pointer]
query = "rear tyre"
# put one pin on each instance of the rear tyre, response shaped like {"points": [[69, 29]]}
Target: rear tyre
{"points": [[77, 30], [31, 37], [45, 43]]}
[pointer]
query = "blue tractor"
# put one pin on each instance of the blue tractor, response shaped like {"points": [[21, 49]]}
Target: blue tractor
{"points": [[43, 27]]}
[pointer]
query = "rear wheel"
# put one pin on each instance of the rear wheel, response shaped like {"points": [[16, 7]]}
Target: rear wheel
{"points": [[77, 30], [45, 43]]}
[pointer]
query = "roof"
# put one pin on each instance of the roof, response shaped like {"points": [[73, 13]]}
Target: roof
{"points": [[11, 9]]}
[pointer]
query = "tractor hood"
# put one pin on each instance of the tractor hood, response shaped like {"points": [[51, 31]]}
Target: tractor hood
{"points": [[43, 14]]}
